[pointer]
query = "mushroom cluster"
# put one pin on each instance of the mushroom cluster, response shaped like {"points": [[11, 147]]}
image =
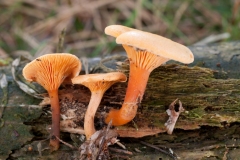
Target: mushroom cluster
{"points": [[51, 70], [145, 52]]}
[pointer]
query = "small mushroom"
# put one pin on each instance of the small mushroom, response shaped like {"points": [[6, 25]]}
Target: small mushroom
{"points": [[98, 84], [145, 52], [50, 71]]}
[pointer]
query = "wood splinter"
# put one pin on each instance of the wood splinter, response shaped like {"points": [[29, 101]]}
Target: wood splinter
{"points": [[173, 113]]}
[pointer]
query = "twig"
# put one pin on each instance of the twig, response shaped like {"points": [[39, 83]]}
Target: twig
{"points": [[214, 146], [120, 151], [159, 149], [108, 59], [212, 39], [117, 156], [67, 144], [104, 139], [61, 41], [120, 144], [29, 39], [178, 15], [135, 125]]}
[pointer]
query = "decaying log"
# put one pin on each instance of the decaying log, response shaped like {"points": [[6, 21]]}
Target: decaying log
{"points": [[208, 89], [210, 99]]}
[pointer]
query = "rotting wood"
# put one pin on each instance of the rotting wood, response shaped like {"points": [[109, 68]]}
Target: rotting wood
{"points": [[208, 101]]}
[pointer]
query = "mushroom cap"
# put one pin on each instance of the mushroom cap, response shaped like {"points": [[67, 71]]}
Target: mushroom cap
{"points": [[156, 44], [116, 30], [51, 70], [101, 81]]}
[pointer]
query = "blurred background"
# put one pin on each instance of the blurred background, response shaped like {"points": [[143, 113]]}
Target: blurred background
{"points": [[32, 27]]}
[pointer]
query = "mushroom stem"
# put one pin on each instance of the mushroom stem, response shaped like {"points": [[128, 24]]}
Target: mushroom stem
{"points": [[55, 130], [136, 86], [141, 65], [90, 113]]}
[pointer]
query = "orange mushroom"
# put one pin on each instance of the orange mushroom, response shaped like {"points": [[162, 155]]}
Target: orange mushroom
{"points": [[50, 71], [145, 52], [98, 84]]}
